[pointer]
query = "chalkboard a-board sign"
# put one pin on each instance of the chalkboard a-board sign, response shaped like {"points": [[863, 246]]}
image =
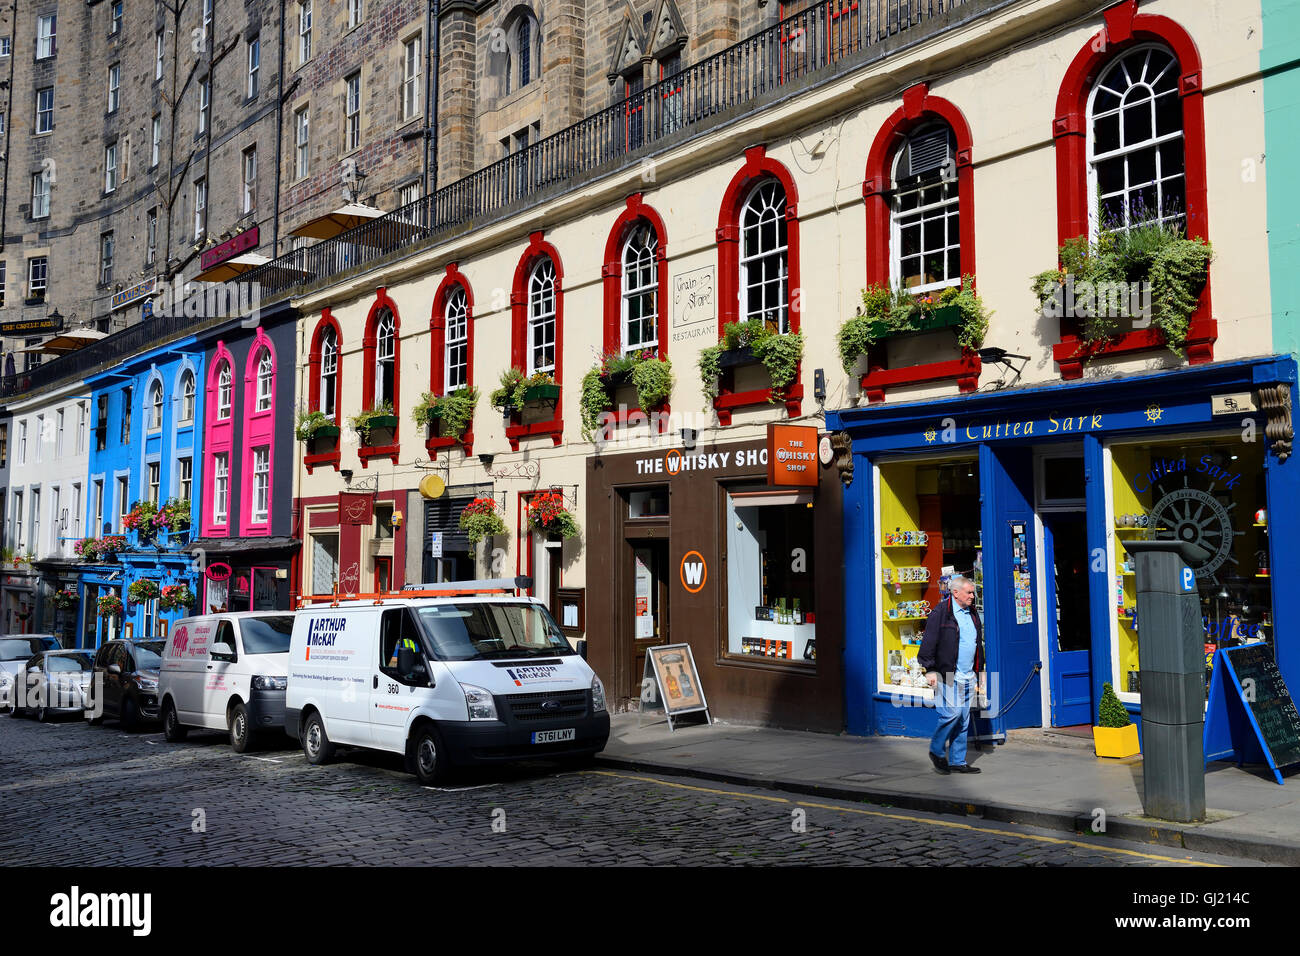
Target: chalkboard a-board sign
{"points": [[1251, 717]]}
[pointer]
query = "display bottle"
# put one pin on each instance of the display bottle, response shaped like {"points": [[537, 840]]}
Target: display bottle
{"points": [[797, 616], [684, 680], [674, 691], [780, 611]]}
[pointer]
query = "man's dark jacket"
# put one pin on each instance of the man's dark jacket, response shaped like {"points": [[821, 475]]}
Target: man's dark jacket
{"points": [[938, 651]]}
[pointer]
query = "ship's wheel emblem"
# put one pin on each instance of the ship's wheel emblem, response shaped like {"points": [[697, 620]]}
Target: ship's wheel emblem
{"points": [[1197, 517], [930, 435], [1154, 411]]}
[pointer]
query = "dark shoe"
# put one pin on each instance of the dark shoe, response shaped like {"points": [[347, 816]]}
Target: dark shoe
{"points": [[964, 768], [940, 763]]}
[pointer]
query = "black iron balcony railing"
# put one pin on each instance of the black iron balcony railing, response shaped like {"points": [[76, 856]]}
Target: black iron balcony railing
{"points": [[804, 44]]}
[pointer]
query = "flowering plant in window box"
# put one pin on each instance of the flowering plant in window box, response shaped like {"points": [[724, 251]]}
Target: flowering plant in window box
{"points": [[175, 515], [379, 419], [110, 544], [143, 590], [892, 313], [451, 413], [547, 514], [480, 520], [518, 389], [314, 424], [110, 605], [142, 518], [176, 597], [1148, 271], [87, 548], [744, 343], [651, 376], [64, 599]]}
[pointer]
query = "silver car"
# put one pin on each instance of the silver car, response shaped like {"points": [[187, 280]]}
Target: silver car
{"points": [[53, 682], [15, 651]]}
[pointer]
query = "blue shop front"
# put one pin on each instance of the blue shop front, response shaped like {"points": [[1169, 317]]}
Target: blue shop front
{"points": [[1031, 493]]}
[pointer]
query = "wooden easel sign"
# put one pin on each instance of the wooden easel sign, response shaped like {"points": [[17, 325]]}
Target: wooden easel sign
{"points": [[1251, 717], [671, 684]]}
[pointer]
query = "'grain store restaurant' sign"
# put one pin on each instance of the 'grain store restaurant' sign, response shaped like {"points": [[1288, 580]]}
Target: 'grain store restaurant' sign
{"points": [[1031, 493], [700, 546]]}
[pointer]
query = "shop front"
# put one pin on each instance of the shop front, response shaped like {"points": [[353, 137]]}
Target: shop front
{"points": [[1031, 493], [243, 574], [709, 547]]}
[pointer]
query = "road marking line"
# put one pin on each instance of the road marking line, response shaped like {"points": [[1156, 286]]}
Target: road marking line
{"points": [[267, 759], [900, 816], [482, 786]]}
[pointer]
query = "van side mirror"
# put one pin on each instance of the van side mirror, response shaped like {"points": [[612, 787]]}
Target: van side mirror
{"points": [[223, 651], [405, 661]]}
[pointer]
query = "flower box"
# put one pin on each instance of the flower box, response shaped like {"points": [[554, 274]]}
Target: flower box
{"points": [[327, 431], [933, 320], [541, 393], [383, 421], [1116, 741], [737, 357], [615, 380], [323, 444]]}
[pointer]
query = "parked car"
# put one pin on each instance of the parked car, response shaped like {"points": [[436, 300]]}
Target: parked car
{"points": [[54, 682], [15, 651], [478, 677], [225, 672], [128, 688]]}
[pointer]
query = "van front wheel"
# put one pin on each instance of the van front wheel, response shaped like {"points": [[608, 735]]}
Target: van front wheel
{"points": [[316, 744], [241, 729], [173, 729], [430, 758]]}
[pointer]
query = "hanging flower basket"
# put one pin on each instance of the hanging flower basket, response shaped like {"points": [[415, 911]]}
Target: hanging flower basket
{"points": [[176, 597], [480, 520], [547, 514], [110, 605], [64, 600], [143, 590]]}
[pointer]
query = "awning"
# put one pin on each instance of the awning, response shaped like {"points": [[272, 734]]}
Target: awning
{"points": [[339, 221], [229, 547], [231, 268], [68, 342]]}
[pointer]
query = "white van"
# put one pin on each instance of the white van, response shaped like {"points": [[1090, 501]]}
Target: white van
{"points": [[225, 672], [475, 675]]}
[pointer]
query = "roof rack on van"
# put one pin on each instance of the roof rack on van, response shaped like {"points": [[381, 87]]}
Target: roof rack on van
{"points": [[443, 589]]}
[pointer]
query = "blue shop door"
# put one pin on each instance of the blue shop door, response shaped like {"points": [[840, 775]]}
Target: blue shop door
{"points": [[1008, 590], [1069, 630]]}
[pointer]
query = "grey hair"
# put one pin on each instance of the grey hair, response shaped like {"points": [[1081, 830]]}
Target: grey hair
{"points": [[957, 581]]}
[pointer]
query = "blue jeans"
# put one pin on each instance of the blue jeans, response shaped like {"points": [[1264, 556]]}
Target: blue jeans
{"points": [[952, 704]]}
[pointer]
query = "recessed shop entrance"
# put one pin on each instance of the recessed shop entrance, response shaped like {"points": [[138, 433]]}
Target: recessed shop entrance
{"points": [[643, 619]]}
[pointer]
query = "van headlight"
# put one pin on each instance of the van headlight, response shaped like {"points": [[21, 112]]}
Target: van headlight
{"points": [[267, 683], [597, 695], [480, 703]]}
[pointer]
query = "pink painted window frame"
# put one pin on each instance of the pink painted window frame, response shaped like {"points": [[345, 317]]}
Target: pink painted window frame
{"points": [[259, 431], [218, 438]]}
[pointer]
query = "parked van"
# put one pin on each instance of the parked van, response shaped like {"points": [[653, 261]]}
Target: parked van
{"points": [[225, 672], [474, 675]]}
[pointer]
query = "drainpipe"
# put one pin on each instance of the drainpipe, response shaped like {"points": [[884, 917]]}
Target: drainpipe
{"points": [[433, 33], [13, 55], [279, 136]]}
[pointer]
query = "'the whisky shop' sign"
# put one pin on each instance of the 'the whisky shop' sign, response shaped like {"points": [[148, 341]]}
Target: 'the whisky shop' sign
{"points": [[792, 455]]}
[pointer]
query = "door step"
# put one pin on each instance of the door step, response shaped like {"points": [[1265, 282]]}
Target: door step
{"points": [[1061, 737]]}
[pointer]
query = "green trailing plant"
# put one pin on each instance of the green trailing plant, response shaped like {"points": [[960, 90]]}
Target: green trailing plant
{"points": [[308, 423], [453, 412], [595, 399], [361, 421], [510, 396], [887, 312], [1113, 713], [480, 520], [779, 353], [709, 364], [651, 376]]}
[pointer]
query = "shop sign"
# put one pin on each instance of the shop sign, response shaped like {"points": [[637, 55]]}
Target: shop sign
{"points": [[694, 571], [356, 509], [1232, 404], [229, 249], [695, 305], [675, 461], [127, 296], [951, 429], [30, 327], [218, 572], [792, 455]]}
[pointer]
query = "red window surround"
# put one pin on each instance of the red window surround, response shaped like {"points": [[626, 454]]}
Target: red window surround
{"points": [[612, 277], [918, 108], [537, 249], [368, 343], [438, 359], [757, 166], [259, 431], [1125, 27], [327, 321], [220, 439]]}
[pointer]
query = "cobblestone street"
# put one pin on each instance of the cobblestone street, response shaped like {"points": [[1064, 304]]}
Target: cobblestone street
{"points": [[198, 802]]}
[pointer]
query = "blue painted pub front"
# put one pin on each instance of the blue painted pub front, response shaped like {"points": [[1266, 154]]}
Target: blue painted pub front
{"points": [[1031, 492]]}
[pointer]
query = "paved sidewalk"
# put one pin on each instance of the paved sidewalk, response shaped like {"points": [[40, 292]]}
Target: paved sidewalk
{"points": [[1036, 778]]}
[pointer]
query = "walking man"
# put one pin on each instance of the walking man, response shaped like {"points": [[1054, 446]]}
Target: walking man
{"points": [[952, 652]]}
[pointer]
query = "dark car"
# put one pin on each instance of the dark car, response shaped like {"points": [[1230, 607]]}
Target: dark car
{"points": [[126, 677]]}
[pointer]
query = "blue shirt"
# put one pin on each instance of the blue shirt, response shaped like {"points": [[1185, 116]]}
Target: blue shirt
{"points": [[966, 645]]}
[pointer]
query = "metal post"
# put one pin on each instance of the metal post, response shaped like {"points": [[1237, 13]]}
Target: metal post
{"points": [[1172, 655]]}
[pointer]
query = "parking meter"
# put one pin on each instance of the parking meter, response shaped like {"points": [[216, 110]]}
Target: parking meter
{"points": [[1171, 654]]}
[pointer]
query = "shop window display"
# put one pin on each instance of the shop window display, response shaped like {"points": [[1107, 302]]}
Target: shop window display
{"points": [[770, 577], [929, 532], [1208, 491]]}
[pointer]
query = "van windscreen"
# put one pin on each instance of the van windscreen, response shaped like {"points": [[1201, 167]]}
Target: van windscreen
{"points": [[463, 632], [266, 635]]}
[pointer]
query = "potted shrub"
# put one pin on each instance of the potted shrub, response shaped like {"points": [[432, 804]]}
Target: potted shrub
{"points": [[547, 514], [744, 343], [176, 597], [317, 430], [375, 425], [109, 605], [143, 590], [446, 416], [896, 313], [1117, 735], [1173, 268], [480, 520], [650, 375]]}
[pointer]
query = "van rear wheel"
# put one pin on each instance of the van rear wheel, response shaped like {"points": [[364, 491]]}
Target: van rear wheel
{"points": [[173, 729], [430, 757], [316, 746]]}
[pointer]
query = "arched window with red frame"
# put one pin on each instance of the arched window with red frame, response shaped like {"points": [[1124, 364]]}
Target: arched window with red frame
{"points": [[758, 265], [537, 330], [324, 376], [635, 280], [451, 348], [1129, 133], [919, 195], [381, 357]]}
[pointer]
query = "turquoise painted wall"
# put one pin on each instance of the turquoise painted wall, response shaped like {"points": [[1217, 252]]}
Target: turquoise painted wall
{"points": [[1280, 63]]}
